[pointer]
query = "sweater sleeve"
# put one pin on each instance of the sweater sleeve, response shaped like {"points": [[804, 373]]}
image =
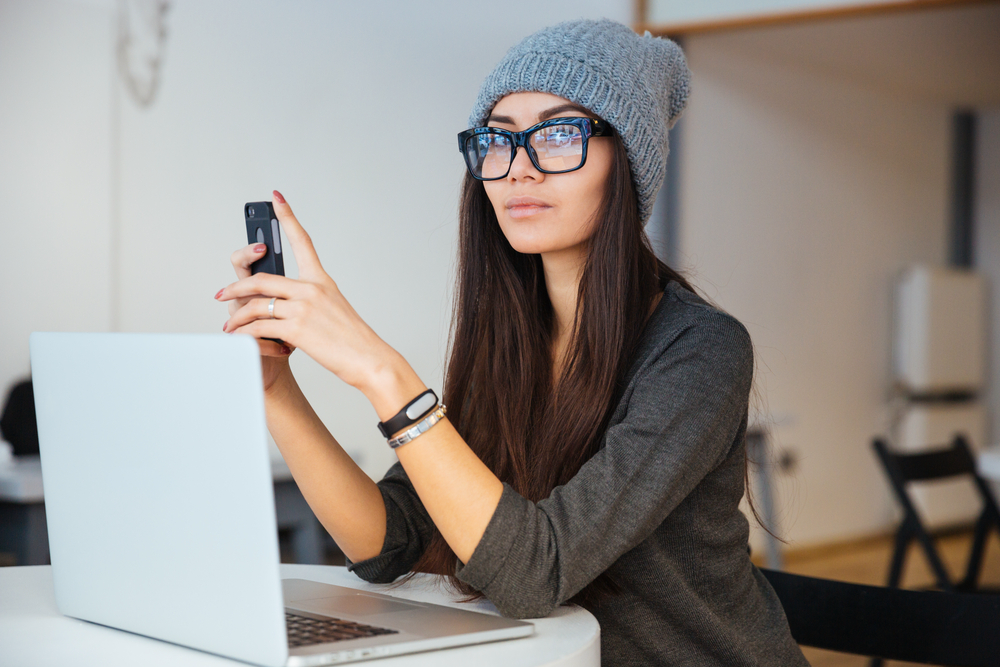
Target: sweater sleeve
{"points": [[687, 407], [408, 529]]}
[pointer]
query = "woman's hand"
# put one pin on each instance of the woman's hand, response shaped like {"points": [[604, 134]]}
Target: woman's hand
{"points": [[310, 312]]}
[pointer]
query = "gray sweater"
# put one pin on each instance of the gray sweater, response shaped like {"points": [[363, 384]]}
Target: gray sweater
{"points": [[657, 507]]}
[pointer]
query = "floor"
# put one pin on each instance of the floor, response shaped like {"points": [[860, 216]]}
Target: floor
{"points": [[867, 562]]}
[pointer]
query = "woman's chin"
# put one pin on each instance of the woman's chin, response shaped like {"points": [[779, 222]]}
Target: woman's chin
{"points": [[539, 247], [530, 237], [529, 246]]}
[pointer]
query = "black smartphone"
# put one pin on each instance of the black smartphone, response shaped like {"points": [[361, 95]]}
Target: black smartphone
{"points": [[262, 227]]}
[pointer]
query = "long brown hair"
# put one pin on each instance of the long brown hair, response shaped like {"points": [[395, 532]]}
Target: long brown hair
{"points": [[532, 430]]}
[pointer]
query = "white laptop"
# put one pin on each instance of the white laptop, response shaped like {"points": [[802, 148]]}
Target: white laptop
{"points": [[160, 509]]}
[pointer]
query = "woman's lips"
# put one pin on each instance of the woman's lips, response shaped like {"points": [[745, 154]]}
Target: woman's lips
{"points": [[523, 207]]}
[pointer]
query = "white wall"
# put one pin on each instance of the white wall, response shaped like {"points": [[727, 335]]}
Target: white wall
{"points": [[681, 12], [350, 109], [802, 195], [55, 162]]}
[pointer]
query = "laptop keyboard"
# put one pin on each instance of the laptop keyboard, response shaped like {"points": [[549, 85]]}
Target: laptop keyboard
{"points": [[307, 630]]}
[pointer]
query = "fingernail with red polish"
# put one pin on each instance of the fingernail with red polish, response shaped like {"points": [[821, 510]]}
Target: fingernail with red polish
{"points": [[225, 325], [260, 247], [219, 293], [278, 198], [285, 349]]}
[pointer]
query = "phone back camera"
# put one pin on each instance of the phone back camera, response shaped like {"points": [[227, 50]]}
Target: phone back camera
{"points": [[250, 211]]}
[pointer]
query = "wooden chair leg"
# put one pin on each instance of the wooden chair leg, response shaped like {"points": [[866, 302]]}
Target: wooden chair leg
{"points": [[903, 538], [943, 579], [970, 582]]}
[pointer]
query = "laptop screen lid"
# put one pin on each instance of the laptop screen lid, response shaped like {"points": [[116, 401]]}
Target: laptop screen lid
{"points": [[158, 488]]}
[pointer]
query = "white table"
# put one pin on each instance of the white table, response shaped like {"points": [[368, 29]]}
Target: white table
{"points": [[33, 632]]}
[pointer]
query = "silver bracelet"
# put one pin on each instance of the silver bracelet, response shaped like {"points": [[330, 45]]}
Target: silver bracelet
{"points": [[420, 428]]}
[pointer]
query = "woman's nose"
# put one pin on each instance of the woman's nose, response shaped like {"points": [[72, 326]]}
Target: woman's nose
{"points": [[522, 168]]}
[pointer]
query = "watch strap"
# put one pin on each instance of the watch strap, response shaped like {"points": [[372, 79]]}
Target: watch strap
{"points": [[412, 412]]}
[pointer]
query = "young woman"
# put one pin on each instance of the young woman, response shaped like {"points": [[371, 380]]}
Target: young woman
{"points": [[593, 448]]}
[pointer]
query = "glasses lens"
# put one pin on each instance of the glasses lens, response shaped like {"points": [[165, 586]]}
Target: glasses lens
{"points": [[488, 154], [558, 147]]}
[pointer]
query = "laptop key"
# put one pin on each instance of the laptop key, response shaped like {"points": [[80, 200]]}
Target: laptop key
{"points": [[306, 631]]}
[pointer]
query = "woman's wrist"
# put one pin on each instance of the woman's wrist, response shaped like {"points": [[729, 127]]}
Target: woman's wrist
{"points": [[391, 385], [283, 388]]}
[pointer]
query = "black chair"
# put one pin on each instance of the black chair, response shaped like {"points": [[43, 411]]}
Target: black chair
{"points": [[17, 422], [952, 461], [928, 627]]}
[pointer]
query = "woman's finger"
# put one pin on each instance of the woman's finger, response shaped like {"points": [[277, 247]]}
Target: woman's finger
{"points": [[235, 305], [261, 284], [241, 261], [264, 329], [260, 309], [298, 239], [245, 256]]}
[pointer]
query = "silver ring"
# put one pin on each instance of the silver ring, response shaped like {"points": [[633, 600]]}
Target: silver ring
{"points": [[270, 308]]}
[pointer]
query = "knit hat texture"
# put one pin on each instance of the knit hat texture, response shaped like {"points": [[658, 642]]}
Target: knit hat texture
{"points": [[638, 84]]}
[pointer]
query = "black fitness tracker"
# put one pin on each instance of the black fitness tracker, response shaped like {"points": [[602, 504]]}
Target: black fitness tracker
{"points": [[411, 413]]}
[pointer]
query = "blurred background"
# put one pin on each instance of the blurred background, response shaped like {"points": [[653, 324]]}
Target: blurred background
{"points": [[831, 155]]}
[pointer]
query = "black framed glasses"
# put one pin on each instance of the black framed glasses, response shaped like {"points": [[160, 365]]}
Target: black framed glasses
{"points": [[554, 146]]}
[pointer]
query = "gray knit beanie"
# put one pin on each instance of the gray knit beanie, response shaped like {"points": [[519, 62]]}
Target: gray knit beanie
{"points": [[638, 84]]}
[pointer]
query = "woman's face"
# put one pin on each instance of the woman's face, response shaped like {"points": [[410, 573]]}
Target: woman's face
{"points": [[546, 213]]}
